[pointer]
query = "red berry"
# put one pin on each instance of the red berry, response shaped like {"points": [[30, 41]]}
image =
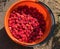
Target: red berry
{"points": [[25, 25]]}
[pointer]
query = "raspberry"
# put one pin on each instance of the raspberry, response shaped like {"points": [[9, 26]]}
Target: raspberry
{"points": [[25, 25]]}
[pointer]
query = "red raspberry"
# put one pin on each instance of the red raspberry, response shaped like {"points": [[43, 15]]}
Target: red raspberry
{"points": [[25, 25]]}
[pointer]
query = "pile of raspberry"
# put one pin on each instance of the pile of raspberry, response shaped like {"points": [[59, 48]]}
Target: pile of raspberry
{"points": [[26, 24]]}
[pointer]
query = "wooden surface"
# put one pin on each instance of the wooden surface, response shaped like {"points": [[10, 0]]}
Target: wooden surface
{"points": [[52, 43]]}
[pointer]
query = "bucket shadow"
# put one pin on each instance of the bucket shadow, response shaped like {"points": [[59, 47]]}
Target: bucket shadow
{"points": [[7, 43]]}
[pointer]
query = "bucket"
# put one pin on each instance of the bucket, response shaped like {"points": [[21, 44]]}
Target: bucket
{"points": [[42, 8]]}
